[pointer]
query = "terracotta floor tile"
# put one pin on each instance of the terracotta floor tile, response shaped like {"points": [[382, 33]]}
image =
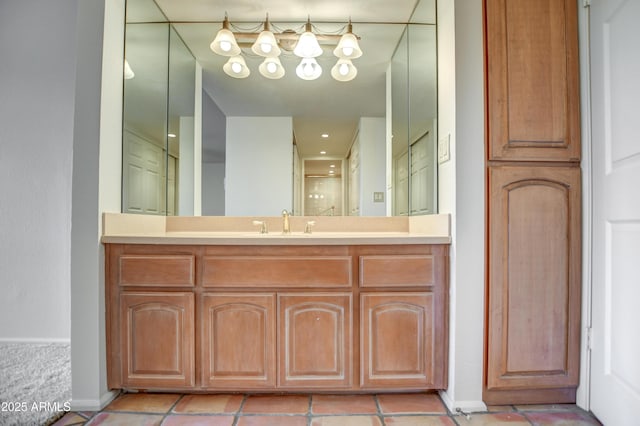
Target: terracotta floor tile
{"points": [[144, 402], [197, 420], [566, 418], [276, 404], [346, 421], [548, 407], [343, 404], [70, 419], [493, 419], [500, 408], [419, 421], [216, 404], [272, 421], [415, 403], [125, 419]]}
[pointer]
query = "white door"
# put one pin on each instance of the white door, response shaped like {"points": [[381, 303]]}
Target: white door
{"points": [[615, 86]]}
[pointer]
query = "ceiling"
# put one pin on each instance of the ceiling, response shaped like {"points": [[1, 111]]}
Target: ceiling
{"points": [[320, 106]]}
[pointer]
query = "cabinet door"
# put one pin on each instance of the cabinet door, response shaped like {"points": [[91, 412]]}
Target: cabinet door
{"points": [[397, 341], [157, 335], [533, 107], [534, 279], [314, 334], [238, 340]]}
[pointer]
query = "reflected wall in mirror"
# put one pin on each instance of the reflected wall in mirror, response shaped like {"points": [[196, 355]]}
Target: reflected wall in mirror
{"points": [[263, 141]]}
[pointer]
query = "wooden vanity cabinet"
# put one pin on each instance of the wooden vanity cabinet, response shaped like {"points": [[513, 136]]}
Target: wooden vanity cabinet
{"points": [[238, 340], [150, 319], [391, 358], [277, 318], [315, 340], [533, 202]]}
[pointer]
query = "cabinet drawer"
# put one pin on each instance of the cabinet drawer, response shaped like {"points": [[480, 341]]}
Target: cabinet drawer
{"points": [[277, 271], [157, 270], [396, 270]]}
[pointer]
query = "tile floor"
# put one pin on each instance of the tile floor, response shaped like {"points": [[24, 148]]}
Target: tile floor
{"points": [[315, 410]]}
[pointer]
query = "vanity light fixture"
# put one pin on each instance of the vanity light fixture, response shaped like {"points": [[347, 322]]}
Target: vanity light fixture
{"points": [[308, 69], [225, 43], [344, 70], [236, 67], [266, 44], [271, 68], [348, 47], [307, 46], [271, 45]]}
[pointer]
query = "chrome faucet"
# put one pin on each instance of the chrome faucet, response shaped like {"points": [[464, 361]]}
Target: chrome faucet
{"points": [[286, 229]]}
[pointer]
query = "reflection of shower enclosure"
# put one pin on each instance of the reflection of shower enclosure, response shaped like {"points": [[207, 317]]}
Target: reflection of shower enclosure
{"points": [[323, 196]]}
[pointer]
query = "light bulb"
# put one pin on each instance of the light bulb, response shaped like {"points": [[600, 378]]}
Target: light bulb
{"points": [[225, 45], [266, 47], [272, 67], [344, 69], [308, 69], [347, 51], [236, 67]]}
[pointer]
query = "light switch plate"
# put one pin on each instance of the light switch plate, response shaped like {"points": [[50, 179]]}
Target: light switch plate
{"points": [[443, 149], [378, 197]]}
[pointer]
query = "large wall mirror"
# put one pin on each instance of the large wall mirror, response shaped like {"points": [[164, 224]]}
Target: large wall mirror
{"points": [[196, 140]]}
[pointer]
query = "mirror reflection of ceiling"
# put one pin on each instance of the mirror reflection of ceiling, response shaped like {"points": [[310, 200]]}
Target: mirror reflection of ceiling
{"points": [[320, 106]]}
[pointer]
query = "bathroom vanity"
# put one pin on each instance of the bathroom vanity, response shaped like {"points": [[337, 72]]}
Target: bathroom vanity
{"points": [[210, 304]]}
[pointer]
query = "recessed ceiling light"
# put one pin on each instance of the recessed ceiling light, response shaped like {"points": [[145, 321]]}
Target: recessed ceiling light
{"points": [[333, 165], [325, 135], [331, 172], [323, 152]]}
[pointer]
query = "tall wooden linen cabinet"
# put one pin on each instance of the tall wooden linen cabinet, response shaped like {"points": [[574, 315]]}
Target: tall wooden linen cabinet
{"points": [[534, 202]]}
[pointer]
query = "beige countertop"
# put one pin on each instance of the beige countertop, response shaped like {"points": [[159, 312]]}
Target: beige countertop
{"points": [[327, 230]]}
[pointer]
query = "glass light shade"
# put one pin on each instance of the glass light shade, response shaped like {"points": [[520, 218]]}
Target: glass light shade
{"points": [[348, 47], [225, 44], [344, 70], [271, 68], [307, 46], [236, 67], [266, 45], [308, 69], [128, 72]]}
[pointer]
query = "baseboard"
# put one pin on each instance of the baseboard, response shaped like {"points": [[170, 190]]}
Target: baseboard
{"points": [[33, 340], [93, 404], [465, 406]]}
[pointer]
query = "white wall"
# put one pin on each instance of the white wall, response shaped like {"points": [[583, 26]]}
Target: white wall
{"points": [[462, 192], [37, 86], [213, 189], [97, 152], [187, 178], [259, 166], [372, 135]]}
